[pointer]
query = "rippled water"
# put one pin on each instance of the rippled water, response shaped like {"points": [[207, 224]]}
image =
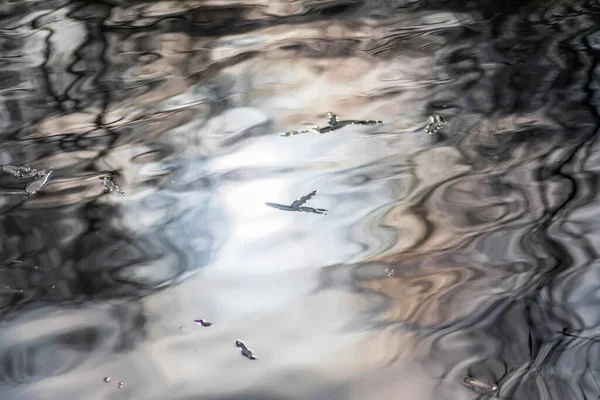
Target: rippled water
{"points": [[447, 262]]}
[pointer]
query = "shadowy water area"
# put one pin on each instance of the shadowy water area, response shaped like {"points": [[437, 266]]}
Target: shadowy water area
{"points": [[299, 199]]}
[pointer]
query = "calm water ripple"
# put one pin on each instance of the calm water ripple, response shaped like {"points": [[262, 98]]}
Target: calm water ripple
{"points": [[140, 141]]}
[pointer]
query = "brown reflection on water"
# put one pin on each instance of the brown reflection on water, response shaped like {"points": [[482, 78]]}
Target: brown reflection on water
{"points": [[423, 299]]}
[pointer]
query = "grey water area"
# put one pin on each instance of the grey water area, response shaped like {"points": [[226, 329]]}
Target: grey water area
{"points": [[299, 200]]}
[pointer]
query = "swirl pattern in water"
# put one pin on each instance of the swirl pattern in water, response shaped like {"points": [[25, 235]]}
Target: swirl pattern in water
{"points": [[366, 199]]}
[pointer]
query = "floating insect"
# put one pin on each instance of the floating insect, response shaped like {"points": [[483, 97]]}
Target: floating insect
{"points": [[436, 122], [481, 386], [203, 322], [110, 186], [296, 205], [332, 124], [245, 351]]}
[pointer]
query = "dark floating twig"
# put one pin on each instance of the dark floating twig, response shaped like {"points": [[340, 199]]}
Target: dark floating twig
{"points": [[203, 322], [566, 333], [296, 205], [110, 186], [436, 122], [481, 386], [333, 124], [245, 351]]}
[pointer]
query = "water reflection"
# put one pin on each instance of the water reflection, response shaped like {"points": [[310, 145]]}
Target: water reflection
{"points": [[459, 249]]}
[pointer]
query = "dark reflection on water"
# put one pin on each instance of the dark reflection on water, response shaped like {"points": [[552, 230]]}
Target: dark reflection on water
{"points": [[469, 253]]}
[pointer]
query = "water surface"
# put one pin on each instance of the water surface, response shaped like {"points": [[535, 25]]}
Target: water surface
{"points": [[467, 253]]}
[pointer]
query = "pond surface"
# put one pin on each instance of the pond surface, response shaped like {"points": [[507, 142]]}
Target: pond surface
{"points": [[450, 251]]}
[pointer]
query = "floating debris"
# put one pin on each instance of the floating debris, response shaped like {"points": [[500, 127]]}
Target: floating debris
{"points": [[565, 332], [39, 179], [34, 186], [245, 351], [107, 379], [321, 211], [390, 272], [333, 124], [110, 186], [296, 205], [203, 322], [294, 133], [436, 122], [480, 386], [20, 171]]}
